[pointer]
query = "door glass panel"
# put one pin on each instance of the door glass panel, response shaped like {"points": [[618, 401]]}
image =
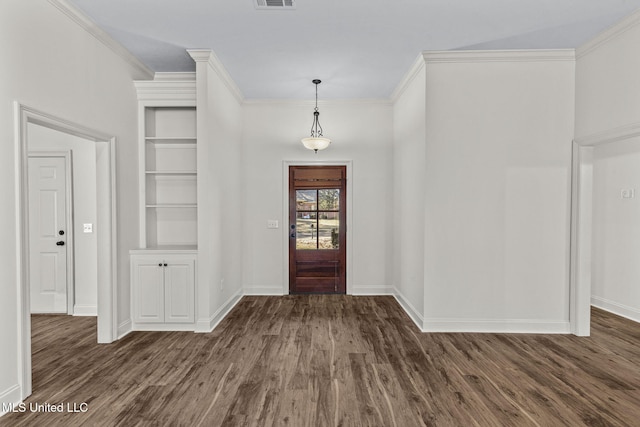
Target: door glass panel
{"points": [[328, 200], [306, 230], [306, 200], [328, 230], [317, 218]]}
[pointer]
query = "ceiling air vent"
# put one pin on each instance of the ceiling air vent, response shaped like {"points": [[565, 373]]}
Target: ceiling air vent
{"points": [[275, 4]]}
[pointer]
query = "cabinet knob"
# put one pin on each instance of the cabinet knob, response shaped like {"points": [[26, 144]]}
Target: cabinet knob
{"points": [[165, 264], [160, 265]]}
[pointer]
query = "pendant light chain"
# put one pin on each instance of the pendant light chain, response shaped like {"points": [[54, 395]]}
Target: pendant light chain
{"points": [[316, 128]]}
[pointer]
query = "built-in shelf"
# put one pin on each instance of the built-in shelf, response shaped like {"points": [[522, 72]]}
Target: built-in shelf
{"points": [[171, 172], [165, 249], [163, 269], [174, 205], [168, 174], [171, 139]]}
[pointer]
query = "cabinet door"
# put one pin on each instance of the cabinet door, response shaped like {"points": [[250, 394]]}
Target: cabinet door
{"points": [[148, 291], [179, 281]]}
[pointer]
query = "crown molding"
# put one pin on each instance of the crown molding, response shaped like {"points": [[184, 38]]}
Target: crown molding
{"points": [[609, 34], [511, 55], [611, 135], [176, 90], [177, 76], [208, 56], [77, 16], [200, 55], [470, 56], [325, 102], [408, 78]]}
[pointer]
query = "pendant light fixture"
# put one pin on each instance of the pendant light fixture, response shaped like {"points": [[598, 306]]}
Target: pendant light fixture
{"points": [[316, 141]]}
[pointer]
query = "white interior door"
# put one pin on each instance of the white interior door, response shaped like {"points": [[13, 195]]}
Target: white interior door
{"points": [[48, 234]]}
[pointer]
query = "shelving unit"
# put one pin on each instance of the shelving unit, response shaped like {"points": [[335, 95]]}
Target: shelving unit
{"points": [[164, 268], [170, 177]]}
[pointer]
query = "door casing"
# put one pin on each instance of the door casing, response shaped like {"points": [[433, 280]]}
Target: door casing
{"points": [[581, 220], [285, 218], [105, 226], [316, 264]]}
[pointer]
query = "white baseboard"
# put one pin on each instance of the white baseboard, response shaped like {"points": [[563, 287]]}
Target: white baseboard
{"points": [[630, 313], [354, 290], [500, 326], [264, 290], [481, 325], [411, 311], [206, 326], [370, 290], [10, 399], [124, 328], [163, 327], [85, 310]]}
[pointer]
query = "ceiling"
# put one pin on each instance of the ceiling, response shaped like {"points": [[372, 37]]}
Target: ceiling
{"points": [[359, 48]]}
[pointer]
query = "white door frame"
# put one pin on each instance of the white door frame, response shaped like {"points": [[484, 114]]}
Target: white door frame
{"points": [[68, 162], [582, 222], [105, 228], [285, 219]]}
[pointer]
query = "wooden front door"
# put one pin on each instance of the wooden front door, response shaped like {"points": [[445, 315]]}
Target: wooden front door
{"points": [[317, 229]]}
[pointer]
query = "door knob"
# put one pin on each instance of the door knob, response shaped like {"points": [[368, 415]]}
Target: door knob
{"points": [[60, 243]]}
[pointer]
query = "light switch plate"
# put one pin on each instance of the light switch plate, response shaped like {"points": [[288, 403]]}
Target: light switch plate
{"points": [[272, 223], [87, 228]]}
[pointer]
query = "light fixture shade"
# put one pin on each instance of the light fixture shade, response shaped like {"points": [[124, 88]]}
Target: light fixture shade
{"points": [[316, 143]]}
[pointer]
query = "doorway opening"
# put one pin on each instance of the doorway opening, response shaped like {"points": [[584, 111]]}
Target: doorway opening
{"points": [[105, 228], [582, 229], [317, 229]]}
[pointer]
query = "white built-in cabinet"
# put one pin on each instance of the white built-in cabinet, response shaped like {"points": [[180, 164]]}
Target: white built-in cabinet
{"points": [[163, 270], [163, 286]]}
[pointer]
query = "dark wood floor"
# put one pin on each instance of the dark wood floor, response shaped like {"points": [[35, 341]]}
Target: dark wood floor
{"points": [[334, 360]]}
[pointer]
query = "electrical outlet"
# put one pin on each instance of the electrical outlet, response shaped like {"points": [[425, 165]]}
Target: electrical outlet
{"points": [[272, 223], [627, 193], [87, 228]]}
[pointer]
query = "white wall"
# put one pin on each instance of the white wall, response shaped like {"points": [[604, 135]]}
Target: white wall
{"points": [[225, 160], [616, 228], [608, 118], [361, 132], [409, 167], [83, 153], [608, 80], [53, 65], [219, 191], [497, 190]]}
